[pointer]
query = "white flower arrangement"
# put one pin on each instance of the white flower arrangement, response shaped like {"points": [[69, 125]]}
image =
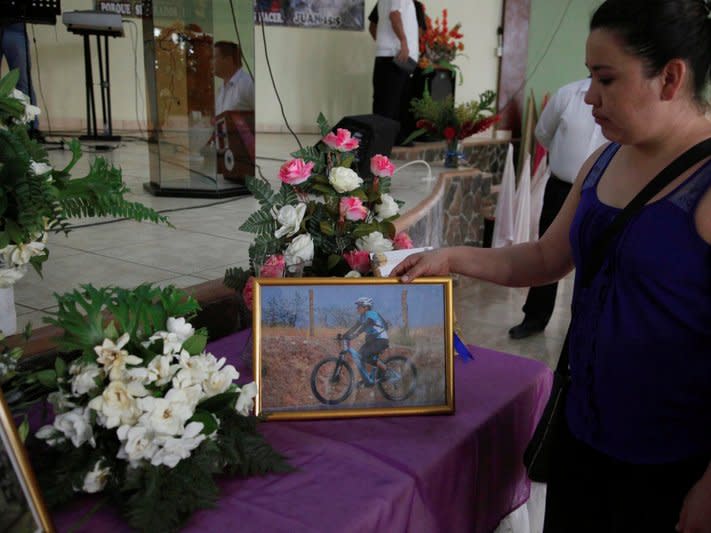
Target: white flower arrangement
{"points": [[144, 413]]}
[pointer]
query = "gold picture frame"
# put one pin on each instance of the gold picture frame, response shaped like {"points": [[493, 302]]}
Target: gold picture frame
{"points": [[21, 502], [305, 368]]}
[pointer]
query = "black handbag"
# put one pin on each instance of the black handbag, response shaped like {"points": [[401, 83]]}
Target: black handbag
{"points": [[540, 451]]}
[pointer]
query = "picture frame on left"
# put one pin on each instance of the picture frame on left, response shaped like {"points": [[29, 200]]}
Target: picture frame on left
{"points": [[22, 506]]}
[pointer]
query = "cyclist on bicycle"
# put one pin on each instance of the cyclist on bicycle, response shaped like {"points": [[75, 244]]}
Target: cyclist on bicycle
{"points": [[374, 326]]}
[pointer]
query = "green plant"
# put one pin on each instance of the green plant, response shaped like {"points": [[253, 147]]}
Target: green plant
{"points": [[444, 120], [36, 198]]}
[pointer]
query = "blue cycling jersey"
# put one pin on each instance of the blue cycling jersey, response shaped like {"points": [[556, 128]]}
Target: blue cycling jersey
{"points": [[373, 325]]}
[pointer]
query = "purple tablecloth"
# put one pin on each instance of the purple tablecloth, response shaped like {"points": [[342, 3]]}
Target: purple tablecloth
{"points": [[412, 474]]}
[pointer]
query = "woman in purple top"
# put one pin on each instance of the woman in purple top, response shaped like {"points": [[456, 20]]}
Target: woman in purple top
{"points": [[638, 451]]}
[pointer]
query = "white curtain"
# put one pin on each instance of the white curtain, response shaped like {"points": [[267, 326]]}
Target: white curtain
{"points": [[538, 188], [522, 204], [505, 210]]}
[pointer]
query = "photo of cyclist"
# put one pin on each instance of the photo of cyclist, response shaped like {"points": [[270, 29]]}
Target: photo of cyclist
{"points": [[375, 328]]}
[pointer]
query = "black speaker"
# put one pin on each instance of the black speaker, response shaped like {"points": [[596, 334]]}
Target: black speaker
{"points": [[376, 135]]}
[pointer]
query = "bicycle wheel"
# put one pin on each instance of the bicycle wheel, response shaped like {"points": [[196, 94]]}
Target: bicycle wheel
{"points": [[400, 378], [332, 380]]}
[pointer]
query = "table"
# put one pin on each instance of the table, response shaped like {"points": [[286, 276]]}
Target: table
{"points": [[412, 474]]}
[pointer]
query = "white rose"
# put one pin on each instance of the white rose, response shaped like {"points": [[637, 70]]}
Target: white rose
{"points": [[138, 443], [344, 179], [50, 435], [20, 254], [85, 376], [353, 274], [168, 415], [245, 401], [174, 450], [9, 276], [388, 208], [300, 249], [290, 218], [115, 406], [374, 242], [39, 168], [194, 369], [171, 342], [160, 370], [95, 481], [75, 426], [30, 111], [181, 327], [218, 382]]}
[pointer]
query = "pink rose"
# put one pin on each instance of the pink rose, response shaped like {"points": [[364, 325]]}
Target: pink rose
{"points": [[352, 208], [381, 166], [295, 171], [341, 140], [402, 241], [358, 260], [248, 292], [273, 267]]}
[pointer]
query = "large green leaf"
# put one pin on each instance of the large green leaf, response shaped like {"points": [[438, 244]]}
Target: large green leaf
{"points": [[9, 82]]}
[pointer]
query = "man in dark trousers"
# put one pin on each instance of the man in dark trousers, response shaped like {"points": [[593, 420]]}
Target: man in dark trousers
{"points": [[397, 43], [416, 83], [569, 132]]}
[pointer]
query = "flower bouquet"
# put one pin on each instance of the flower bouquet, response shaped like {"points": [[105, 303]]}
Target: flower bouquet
{"points": [[36, 198], [440, 45], [143, 413], [443, 120], [325, 218]]}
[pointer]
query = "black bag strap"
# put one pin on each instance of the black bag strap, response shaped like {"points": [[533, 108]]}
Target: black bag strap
{"points": [[600, 249]]}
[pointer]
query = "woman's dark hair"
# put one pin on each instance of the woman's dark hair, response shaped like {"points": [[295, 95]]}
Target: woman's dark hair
{"points": [[658, 31]]}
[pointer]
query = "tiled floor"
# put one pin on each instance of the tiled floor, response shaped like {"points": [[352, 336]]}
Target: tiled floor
{"points": [[206, 241]]}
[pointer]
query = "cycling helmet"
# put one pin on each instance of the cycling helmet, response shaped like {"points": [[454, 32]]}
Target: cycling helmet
{"points": [[364, 301]]}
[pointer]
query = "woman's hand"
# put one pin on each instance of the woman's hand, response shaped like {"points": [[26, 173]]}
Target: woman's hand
{"points": [[695, 514], [432, 263]]}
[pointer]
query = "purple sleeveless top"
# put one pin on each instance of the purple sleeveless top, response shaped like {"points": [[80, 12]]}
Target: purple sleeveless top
{"points": [[640, 342]]}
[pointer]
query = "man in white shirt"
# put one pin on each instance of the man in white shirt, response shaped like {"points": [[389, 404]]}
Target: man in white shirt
{"points": [[396, 42], [567, 129], [237, 91]]}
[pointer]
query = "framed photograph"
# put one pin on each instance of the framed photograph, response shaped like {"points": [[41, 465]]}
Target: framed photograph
{"points": [[347, 347], [22, 508]]}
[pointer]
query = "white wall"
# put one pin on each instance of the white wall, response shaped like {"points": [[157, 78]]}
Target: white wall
{"points": [[315, 70], [331, 71]]}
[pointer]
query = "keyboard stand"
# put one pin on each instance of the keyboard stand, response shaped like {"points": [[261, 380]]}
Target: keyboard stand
{"points": [[92, 133]]}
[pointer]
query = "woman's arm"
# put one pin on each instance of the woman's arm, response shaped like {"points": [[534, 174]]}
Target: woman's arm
{"points": [[523, 265], [695, 516]]}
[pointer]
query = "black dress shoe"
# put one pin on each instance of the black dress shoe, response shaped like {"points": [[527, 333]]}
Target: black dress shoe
{"points": [[527, 328]]}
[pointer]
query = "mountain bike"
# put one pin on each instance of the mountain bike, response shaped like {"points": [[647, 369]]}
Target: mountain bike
{"points": [[332, 377]]}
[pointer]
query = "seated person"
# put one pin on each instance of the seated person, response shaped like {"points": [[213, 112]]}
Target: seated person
{"points": [[237, 91]]}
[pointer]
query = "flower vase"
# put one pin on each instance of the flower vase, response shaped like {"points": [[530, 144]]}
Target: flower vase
{"points": [[8, 314], [451, 156]]}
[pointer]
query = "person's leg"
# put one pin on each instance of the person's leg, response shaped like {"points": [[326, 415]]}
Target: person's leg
{"points": [[389, 81], [541, 300], [15, 48]]}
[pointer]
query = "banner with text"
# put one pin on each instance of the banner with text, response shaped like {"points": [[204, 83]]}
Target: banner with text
{"points": [[333, 14]]}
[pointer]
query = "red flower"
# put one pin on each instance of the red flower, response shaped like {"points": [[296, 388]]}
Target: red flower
{"points": [[449, 133], [426, 124], [485, 123]]}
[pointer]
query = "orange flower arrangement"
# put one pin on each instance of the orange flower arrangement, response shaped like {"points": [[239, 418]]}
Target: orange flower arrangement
{"points": [[439, 44]]}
